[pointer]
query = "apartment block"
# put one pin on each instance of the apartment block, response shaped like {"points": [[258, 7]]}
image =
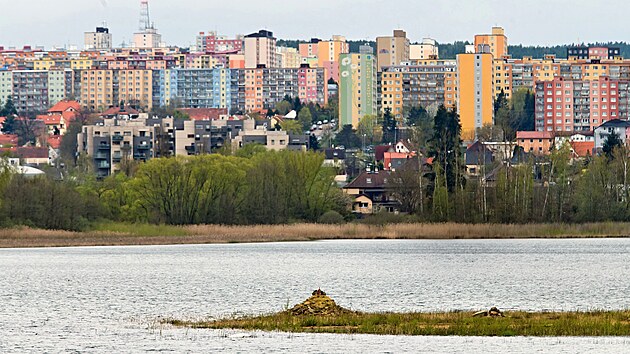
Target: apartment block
{"points": [[262, 88], [358, 90], [100, 39], [392, 50], [35, 91], [6, 85], [475, 94], [211, 43], [427, 84], [564, 105], [326, 54], [197, 88], [497, 41], [288, 57], [260, 50], [428, 49]]}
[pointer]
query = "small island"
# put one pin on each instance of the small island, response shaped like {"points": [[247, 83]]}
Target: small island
{"points": [[320, 314]]}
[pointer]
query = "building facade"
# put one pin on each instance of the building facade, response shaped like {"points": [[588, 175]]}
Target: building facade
{"points": [[260, 50], [358, 88], [475, 94], [392, 50]]}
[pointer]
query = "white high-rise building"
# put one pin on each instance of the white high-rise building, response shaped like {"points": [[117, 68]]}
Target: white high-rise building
{"points": [[100, 39]]}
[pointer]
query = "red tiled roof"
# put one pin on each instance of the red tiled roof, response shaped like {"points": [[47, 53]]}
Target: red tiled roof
{"points": [[27, 152], [583, 148], [63, 106], [69, 116], [52, 119], [534, 135], [8, 139], [54, 141], [204, 113], [380, 150]]}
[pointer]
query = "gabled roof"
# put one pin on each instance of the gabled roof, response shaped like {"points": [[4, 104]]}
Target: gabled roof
{"points": [[64, 106], [51, 119], [368, 180], [32, 152], [583, 148], [380, 150], [8, 139], [54, 141]]}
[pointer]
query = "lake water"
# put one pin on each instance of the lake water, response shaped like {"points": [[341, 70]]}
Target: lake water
{"points": [[109, 299]]}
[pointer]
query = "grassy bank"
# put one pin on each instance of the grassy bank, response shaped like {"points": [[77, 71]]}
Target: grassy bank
{"points": [[438, 324], [320, 314], [112, 234]]}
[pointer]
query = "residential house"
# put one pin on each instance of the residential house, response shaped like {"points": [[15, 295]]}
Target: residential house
{"points": [[617, 126], [478, 159], [369, 193], [536, 142]]}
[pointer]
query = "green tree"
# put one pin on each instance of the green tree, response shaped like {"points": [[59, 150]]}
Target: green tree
{"points": [[612, 142], [369, 127], [347, 137], [389, 127], [292, 126], [305, 118], [445, 144], [283, 107]]}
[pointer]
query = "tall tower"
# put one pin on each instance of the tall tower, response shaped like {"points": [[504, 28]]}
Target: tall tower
{"points": [[145, 20]]}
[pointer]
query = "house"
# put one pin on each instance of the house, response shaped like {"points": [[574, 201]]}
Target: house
{"points": [[8, 140], [55, 123], [620, 127], [537, 143], [65, 106], [369, 193], [334, 158], [478, 158], [27, 171]]}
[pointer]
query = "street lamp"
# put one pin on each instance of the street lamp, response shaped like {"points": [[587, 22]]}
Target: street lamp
{"points": [[363, 144]]}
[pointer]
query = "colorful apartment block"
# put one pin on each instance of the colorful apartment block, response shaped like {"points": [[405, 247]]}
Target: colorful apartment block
{"points": [[260, 50], [211, 43], [564, 105], [428, 84], [475, 94], [35, 91], [392, 50], [358, 89], [288, 57], [428, 49], [325, 54], [262, 88], [497, 41]]}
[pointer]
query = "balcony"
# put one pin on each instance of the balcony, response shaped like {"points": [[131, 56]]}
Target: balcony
{"points": [[117, 138], [103, 146], [143, 147], [101, 156], [103, 165]]}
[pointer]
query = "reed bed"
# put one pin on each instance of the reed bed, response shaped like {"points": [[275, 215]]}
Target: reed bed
{"points": [[562, 324], [112, 234]]}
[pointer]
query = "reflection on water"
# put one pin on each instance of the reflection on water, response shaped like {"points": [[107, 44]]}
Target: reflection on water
{"points": [[108, 299]]}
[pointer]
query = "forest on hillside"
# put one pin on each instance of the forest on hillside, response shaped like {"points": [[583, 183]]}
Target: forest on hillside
{"points": [[450, 50]]}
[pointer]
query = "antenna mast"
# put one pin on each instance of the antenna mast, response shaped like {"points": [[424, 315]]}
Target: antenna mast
{"points": [[145, 21]]}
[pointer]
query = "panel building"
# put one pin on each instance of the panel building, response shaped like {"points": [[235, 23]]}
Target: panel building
{"points": [[358, 89]]}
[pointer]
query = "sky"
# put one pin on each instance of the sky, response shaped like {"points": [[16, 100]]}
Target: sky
{"points": [[529, 22]]}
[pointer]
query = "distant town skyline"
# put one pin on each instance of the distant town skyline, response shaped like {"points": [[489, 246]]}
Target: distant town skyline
{"points": [[537, 22]]}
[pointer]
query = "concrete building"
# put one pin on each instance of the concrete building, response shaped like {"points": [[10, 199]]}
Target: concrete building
{"points": [[197, 88], [260, 50], [101, 89], [262, 88], [428, 85], [358, 89], [475, 95], [392, 50], [328, 53], [497, 41], [288, 57], [428, 49], [537, 143], [34, 91], [564, 105], [6, 85], [211, 43], [100, 39], [147, 39]]}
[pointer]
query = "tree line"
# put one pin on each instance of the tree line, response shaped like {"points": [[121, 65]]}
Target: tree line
{"points": [[254, 186]]}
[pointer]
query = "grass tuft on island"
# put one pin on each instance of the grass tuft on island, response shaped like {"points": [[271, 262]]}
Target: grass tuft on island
{"points": [[125, 234], [327, 317]]}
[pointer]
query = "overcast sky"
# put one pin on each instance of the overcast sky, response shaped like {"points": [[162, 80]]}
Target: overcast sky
{"points": [[540, 22]]}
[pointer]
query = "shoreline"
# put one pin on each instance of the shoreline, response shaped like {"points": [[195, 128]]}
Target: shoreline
{"points": [[119, 234]]}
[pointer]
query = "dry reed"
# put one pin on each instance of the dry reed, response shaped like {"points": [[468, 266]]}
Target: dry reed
{"points": [[206, 234]]}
